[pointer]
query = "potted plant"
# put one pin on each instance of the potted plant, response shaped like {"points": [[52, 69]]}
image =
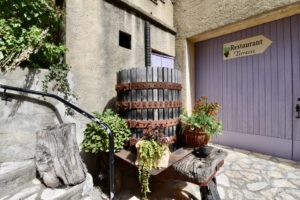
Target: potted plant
{"points": [[96, 138], [198, 127], [152, 152]]}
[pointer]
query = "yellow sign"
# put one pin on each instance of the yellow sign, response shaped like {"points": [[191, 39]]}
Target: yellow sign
{"points": [[246, 47]]}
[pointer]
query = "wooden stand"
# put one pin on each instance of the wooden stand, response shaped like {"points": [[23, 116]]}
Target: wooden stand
{"points": [[185, 166]]}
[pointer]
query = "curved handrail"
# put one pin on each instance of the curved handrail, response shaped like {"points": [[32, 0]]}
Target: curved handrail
{"points": [[84, 113]]}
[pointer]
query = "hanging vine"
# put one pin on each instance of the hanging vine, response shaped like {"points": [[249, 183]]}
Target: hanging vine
{"points": [[31, 37]]}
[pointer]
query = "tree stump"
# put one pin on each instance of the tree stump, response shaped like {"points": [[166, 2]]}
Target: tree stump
{"points": [[57, 156]]}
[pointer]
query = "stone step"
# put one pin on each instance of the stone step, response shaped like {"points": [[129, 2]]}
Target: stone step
{"points": [[16, 146], [15, 174], [35, 190]]}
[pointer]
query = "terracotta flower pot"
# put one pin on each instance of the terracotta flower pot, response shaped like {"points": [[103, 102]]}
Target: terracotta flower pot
{"points": [[195, 137]]}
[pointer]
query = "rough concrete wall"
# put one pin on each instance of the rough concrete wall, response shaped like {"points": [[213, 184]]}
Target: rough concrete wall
{"points": [[21, 118], [161, 11], [94, 53], [192, 17], [92, 37], [162, 41]]}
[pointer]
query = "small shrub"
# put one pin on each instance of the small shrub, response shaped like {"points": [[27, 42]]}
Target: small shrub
{"points": [[96, 138]]}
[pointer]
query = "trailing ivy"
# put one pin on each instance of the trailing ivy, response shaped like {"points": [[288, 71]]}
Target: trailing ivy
{"points": [[96, 138], [149, 153], [31, 36], [151, 148]]}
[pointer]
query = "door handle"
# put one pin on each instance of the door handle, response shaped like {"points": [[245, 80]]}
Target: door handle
{"points": [[298, 111]]}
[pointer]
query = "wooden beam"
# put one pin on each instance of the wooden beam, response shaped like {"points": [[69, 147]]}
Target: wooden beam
{"points": [[247, 23]]}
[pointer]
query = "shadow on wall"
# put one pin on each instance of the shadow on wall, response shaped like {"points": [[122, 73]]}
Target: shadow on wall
{"points": [[22, 98], [28, 82], [111, 104]]}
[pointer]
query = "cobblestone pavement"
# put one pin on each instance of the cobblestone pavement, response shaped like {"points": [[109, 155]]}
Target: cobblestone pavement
{"points": [[245, 175]]}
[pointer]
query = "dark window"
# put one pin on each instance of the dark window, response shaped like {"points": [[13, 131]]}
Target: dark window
{"points": [[124, 40]]}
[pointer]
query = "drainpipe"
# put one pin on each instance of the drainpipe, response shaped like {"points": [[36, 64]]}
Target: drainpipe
{"points": [[147, 45]]}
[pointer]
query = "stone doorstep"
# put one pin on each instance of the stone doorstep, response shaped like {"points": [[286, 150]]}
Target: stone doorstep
{"points": [[35, 190], [15, 174]]}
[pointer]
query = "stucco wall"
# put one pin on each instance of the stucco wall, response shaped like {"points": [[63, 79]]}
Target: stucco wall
{"points": [[161, 11], [193, 17], [92, 37], [94, 52], [21, 118]]}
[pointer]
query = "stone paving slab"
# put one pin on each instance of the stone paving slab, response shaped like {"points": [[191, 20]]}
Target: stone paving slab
{"points": [[245, 175]]}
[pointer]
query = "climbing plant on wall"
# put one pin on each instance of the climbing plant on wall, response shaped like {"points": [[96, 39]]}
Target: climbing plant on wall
{"points": [[31, 36]]}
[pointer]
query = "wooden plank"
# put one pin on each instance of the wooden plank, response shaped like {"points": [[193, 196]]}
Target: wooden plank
{"points": [[250, 106], [133, 79], [177, 94], [155, 91], [274, 78], [296, 84], [255, 90], [214, 191], [239, 119], [144, 92], [160, 92], [124, 79], [225, 91], [281, 82], [174, 98], [139, 116], [268, 78], [170, 113], [166, 97], [174, 157], [150, 112], [288, 79], [262, 92], [244, 90]]}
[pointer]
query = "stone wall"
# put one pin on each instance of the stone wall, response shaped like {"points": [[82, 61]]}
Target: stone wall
{"points": [[21, 118], [194, 17], [92, 37], [162, 10], [94, 52]]}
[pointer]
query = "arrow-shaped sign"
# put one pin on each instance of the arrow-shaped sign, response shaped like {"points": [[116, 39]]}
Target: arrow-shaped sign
{"points": [[246, 47]]}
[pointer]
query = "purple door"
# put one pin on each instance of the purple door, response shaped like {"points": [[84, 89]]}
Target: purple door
{"points": [[159, 60], [295, 27], [258, 93]]}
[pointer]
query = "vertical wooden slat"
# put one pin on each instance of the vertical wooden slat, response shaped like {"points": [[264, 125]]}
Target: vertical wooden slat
{"points": [[268, 82], [174, 98], [296, 81], [133, 79], [239, 107], [150, 112], [155, 91], [170, 98], [166, 97], [274, 78], [160, 92], [225, 89], [139, 116], [288, 80], [244, 91], [281, 81], [262, 86], [144, 92]]}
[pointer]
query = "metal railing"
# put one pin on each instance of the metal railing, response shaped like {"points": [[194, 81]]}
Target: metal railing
{"points": [[82, 112]]}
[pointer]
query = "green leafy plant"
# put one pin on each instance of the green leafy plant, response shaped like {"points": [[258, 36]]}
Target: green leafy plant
{"points": [[204, 116], [96, 138], [31, 37], [151, 148]]}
